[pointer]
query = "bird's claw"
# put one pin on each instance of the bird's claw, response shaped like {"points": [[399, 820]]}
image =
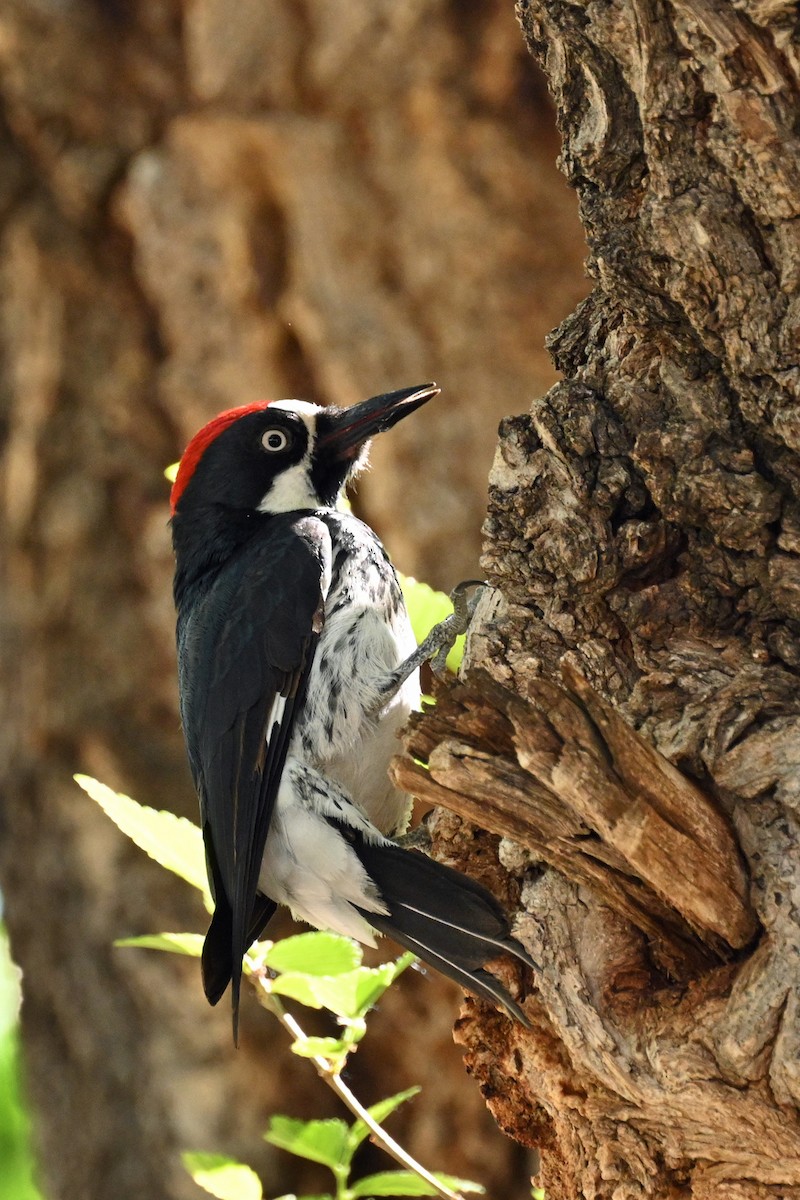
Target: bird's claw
{"points": [[418, 838], [457, 623], [463, 608]]}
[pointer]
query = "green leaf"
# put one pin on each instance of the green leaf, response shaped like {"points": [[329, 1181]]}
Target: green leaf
{"points": [[323, 1142], [174, 842], [427, 608], [349, 995], [175, 943], [406, 1183], [402, 963], [302, 988], [354, 994], [324, 1047], [222, 1177], [314, 954], [359, 1130]]}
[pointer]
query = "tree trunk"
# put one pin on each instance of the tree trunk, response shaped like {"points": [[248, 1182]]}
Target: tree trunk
{"points": [[202, 204], [635, 725]]}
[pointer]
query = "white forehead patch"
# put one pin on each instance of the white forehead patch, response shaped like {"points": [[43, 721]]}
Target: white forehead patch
{"points": [[303, 408]]}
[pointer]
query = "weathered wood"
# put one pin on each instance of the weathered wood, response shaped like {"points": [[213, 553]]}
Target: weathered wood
{"points": [[642, 535], [560, 772]]}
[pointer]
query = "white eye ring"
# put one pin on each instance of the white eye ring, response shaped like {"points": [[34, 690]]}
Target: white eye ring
{"points": [[274, 440]]}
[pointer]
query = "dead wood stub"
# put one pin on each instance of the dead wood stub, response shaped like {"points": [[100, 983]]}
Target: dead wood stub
{"points": [[560, 772]]}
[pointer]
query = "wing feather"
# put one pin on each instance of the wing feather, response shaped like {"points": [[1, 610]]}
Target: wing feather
{"points": [[245, 648]]}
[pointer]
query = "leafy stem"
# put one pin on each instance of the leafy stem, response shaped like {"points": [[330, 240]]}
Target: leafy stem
{"points": [[318, 970], [331, 1076]]}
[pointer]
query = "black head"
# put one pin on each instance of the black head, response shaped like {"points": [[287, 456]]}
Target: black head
{"points": [[283, 456], [254, 462]]}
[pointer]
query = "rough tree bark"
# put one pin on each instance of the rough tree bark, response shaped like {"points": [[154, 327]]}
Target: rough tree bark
{"points": [[634, 733], [201, 204]]}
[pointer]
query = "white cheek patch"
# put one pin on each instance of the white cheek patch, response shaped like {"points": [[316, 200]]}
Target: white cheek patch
{"points": [[291, 490]]}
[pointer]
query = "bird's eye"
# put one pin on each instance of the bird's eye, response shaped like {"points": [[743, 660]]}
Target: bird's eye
{"points": [[275, 440]]}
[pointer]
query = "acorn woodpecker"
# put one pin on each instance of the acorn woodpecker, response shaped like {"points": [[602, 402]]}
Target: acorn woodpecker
{"points": [[297, 667]]}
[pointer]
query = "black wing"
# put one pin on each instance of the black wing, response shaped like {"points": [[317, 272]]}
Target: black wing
{"points": [[244, 651]]}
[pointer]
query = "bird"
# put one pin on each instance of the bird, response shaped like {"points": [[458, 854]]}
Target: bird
{"points": [[297, 667]]}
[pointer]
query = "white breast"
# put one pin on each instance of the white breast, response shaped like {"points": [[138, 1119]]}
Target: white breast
{"points": [[348, 731], [308, 865]]}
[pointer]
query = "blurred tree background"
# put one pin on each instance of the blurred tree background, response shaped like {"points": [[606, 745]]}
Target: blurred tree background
{"points": [[205, 203]]}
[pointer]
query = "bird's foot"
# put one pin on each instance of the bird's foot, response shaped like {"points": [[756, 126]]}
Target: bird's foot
{"points": [[418, 838], [438, 643], [443, 636]]}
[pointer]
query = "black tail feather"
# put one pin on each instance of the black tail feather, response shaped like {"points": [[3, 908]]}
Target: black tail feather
{"points": [[221, 960], [217, 959], [216, 962], [445, 917], [472, 979]]}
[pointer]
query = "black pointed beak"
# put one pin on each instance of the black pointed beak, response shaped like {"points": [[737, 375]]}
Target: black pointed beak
{"points": [[344, 431]]}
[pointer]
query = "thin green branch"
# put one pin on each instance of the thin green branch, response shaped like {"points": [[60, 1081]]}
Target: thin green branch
{"points": [[334, 1081]]}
